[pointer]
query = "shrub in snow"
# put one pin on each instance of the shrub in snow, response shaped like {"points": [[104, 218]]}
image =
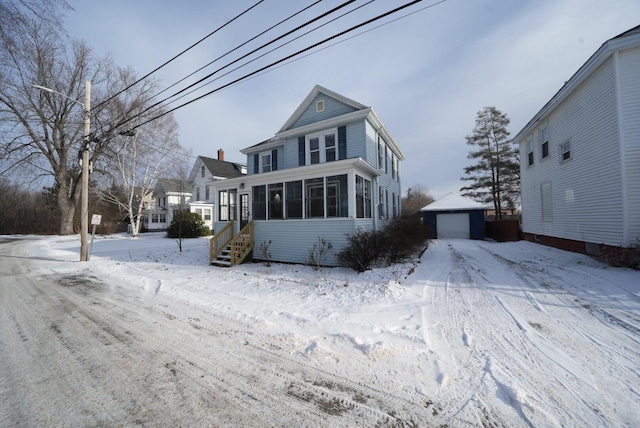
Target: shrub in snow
{"points": [[401, 239], [362, 250], [318, 253], [187, 225]]}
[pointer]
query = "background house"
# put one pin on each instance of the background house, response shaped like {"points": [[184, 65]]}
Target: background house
{"points": [[580, 155], [171, 197], [204, 173], [331, 169], [454, 216]]}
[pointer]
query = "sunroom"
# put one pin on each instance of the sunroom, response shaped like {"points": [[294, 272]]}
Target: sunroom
{"points": [[293, 209]]}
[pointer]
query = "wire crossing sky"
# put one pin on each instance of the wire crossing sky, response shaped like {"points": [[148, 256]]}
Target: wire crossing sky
{"points": [[426, 75]]}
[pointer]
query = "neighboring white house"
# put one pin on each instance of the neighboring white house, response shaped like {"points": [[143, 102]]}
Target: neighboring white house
{"points": [[332, 168], [204, 173], [580, 155], [171, 197]]}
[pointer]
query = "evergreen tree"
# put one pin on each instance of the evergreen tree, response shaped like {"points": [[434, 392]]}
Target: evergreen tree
{"points": [[495, 178]]}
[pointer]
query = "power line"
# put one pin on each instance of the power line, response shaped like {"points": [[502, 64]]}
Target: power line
{"points": [[181, 53], [259, 56], [281, 61], [244, 56]]}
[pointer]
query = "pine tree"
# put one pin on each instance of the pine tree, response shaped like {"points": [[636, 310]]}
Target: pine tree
{"points": [[495, 178]]}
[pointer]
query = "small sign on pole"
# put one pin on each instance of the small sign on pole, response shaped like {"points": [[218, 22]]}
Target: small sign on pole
{"points": [[95, 221]]}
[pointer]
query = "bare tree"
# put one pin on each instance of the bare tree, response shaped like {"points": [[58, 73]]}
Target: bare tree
{"points": [[140, 159], [417, 197], [42, 131]]}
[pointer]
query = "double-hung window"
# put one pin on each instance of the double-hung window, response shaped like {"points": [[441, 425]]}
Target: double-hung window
{"points": [[265, 160], [363, 197], [223, 205], [529, 146], [543, 134], [381, 152], [565, 149], [322, 147]]}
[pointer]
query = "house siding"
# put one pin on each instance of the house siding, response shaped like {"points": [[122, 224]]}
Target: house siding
{"points": [[586, 189], [291, 240], [332, 108], [629, 90]]}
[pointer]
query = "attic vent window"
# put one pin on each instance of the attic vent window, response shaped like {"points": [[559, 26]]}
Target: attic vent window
{"points": [[319, 106]]}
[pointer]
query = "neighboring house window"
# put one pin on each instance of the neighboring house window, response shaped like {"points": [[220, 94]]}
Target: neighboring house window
{"points": [[381, 151], [319, 106], [337, 196], [314, 189], [202, 171], [197, 193], [322, 147], [565, 149], [163, 218], [543, 135], [207, 214], [275, 201], [199, 212], [259, 202], [294, 199], [547, 201], [382, 209], [363, 197], [233, 204], [395, 207], [223, 206], [206, 193], [394, 166], [266, 161], [530, 150], [154, 218]]}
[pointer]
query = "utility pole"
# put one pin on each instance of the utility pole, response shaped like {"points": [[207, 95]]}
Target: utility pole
{"points": [[84, 199], [84, 191]]}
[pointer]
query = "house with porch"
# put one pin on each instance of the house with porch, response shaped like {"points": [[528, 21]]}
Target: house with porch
{"points": [[204, 173], [332, 169], [580, 155]]}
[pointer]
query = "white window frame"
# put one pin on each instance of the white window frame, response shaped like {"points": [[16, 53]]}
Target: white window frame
{"points": [[265, 167], [565, 149], [322, 148], [543, 137], [529, 148], [319, 106], [381, 152]]}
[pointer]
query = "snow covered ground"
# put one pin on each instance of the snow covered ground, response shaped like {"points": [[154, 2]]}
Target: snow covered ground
{"points": [[476, 333]]}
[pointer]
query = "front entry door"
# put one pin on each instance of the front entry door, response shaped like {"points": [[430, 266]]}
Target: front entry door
{"points": [[245, 214]]}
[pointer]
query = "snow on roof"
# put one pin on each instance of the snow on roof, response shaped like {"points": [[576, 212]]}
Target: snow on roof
{"points": [[453, 201]]}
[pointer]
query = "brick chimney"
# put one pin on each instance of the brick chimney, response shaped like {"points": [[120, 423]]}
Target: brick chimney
{"points": [[220, 154]]}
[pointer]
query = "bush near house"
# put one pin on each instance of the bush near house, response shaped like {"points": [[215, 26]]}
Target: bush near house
{"points": [[401, 239], [187, 225]]}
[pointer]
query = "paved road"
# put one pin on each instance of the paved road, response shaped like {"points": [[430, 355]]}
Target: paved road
{"points": [[75, 351]]}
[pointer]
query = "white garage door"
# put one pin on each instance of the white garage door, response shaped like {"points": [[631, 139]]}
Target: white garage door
{"points": [[453, 226]]}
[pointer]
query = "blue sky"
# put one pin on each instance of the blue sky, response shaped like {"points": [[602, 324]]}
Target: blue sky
{"points": [[426, 75]]}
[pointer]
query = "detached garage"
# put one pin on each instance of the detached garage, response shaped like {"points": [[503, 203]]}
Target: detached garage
{"points": [[454, 216]]}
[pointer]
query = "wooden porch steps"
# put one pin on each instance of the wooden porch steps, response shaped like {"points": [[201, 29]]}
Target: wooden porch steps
{"points": [[224, 258]]}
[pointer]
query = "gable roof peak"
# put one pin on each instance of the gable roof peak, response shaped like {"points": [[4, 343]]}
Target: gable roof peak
{"points": [[312, 96]]}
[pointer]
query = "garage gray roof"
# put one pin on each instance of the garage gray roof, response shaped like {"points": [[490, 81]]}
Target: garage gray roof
{"points": [[453, 201]]}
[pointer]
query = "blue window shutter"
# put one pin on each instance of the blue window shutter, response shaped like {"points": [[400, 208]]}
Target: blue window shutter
{"points": [[342, 142], [274, 160], [301, 151], [256, 163]]}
